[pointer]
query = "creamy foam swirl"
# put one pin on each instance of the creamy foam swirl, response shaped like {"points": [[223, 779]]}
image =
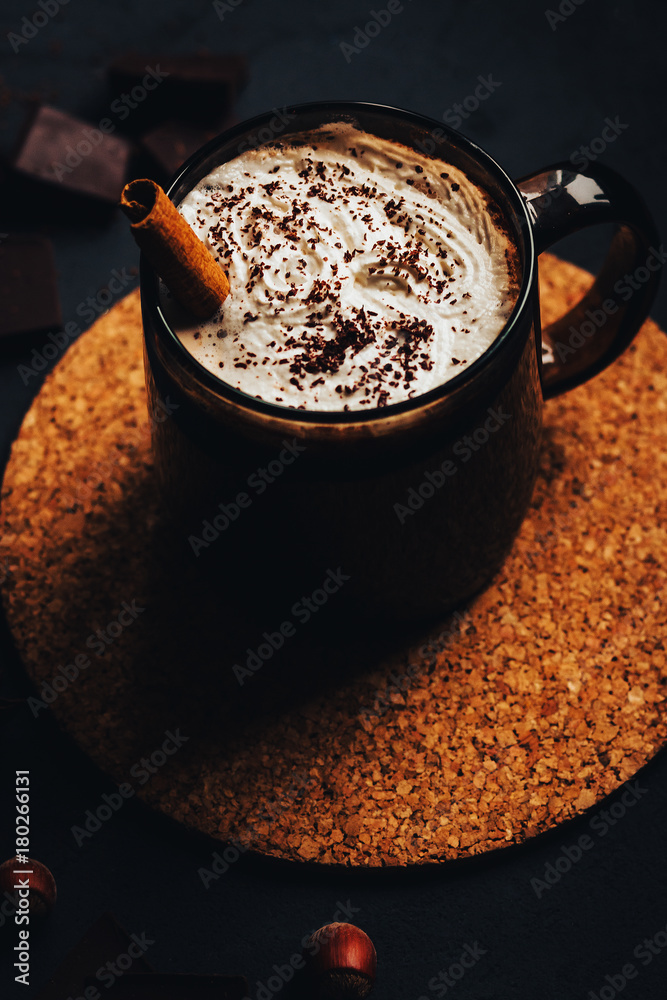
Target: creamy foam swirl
{"points": [[362, 273]]}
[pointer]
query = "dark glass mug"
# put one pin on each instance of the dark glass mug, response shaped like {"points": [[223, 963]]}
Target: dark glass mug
{"points": [[410, 508]]}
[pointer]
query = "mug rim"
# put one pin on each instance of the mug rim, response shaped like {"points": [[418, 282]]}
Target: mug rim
{"points": [[457, 386]]}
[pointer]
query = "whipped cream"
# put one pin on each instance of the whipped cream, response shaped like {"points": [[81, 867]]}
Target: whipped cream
{"points": [[362, 273]]}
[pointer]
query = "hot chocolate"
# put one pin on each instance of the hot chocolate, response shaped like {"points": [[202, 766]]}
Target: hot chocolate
{"points": [[362, 272]]}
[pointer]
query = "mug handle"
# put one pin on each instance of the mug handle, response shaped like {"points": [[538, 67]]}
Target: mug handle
{"points": [[561, 201]]}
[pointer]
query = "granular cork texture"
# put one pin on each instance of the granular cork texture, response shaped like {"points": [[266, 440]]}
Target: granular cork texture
{"points": [[519, 712]]}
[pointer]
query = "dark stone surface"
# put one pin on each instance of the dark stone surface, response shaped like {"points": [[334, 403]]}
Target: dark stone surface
{"points": [[553, 87]]}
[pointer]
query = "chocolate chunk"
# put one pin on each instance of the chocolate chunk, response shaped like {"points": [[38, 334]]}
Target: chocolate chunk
{"points": [[155, 88], [104, 942], [173, 142], [28, 289], [175, 986], [74, 156]]}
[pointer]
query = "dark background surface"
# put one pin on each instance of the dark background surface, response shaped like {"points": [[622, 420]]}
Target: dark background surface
{"points": [[556, 89]]}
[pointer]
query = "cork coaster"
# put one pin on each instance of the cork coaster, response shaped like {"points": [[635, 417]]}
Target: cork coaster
{"points": [[521, 711]]}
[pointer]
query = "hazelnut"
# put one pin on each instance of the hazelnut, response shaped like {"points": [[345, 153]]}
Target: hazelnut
{"points": [[41, 885], [341, 962]]}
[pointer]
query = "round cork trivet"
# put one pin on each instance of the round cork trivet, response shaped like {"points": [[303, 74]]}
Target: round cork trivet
{"points": [[529, 706]]}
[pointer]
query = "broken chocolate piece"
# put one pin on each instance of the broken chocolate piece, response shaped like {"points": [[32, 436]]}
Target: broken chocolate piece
{"points": [[173, 142], [28, 290], [159, 87], [74, 155]]}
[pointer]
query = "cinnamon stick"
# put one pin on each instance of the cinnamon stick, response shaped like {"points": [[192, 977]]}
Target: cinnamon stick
{"points": [[184, 263]]}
